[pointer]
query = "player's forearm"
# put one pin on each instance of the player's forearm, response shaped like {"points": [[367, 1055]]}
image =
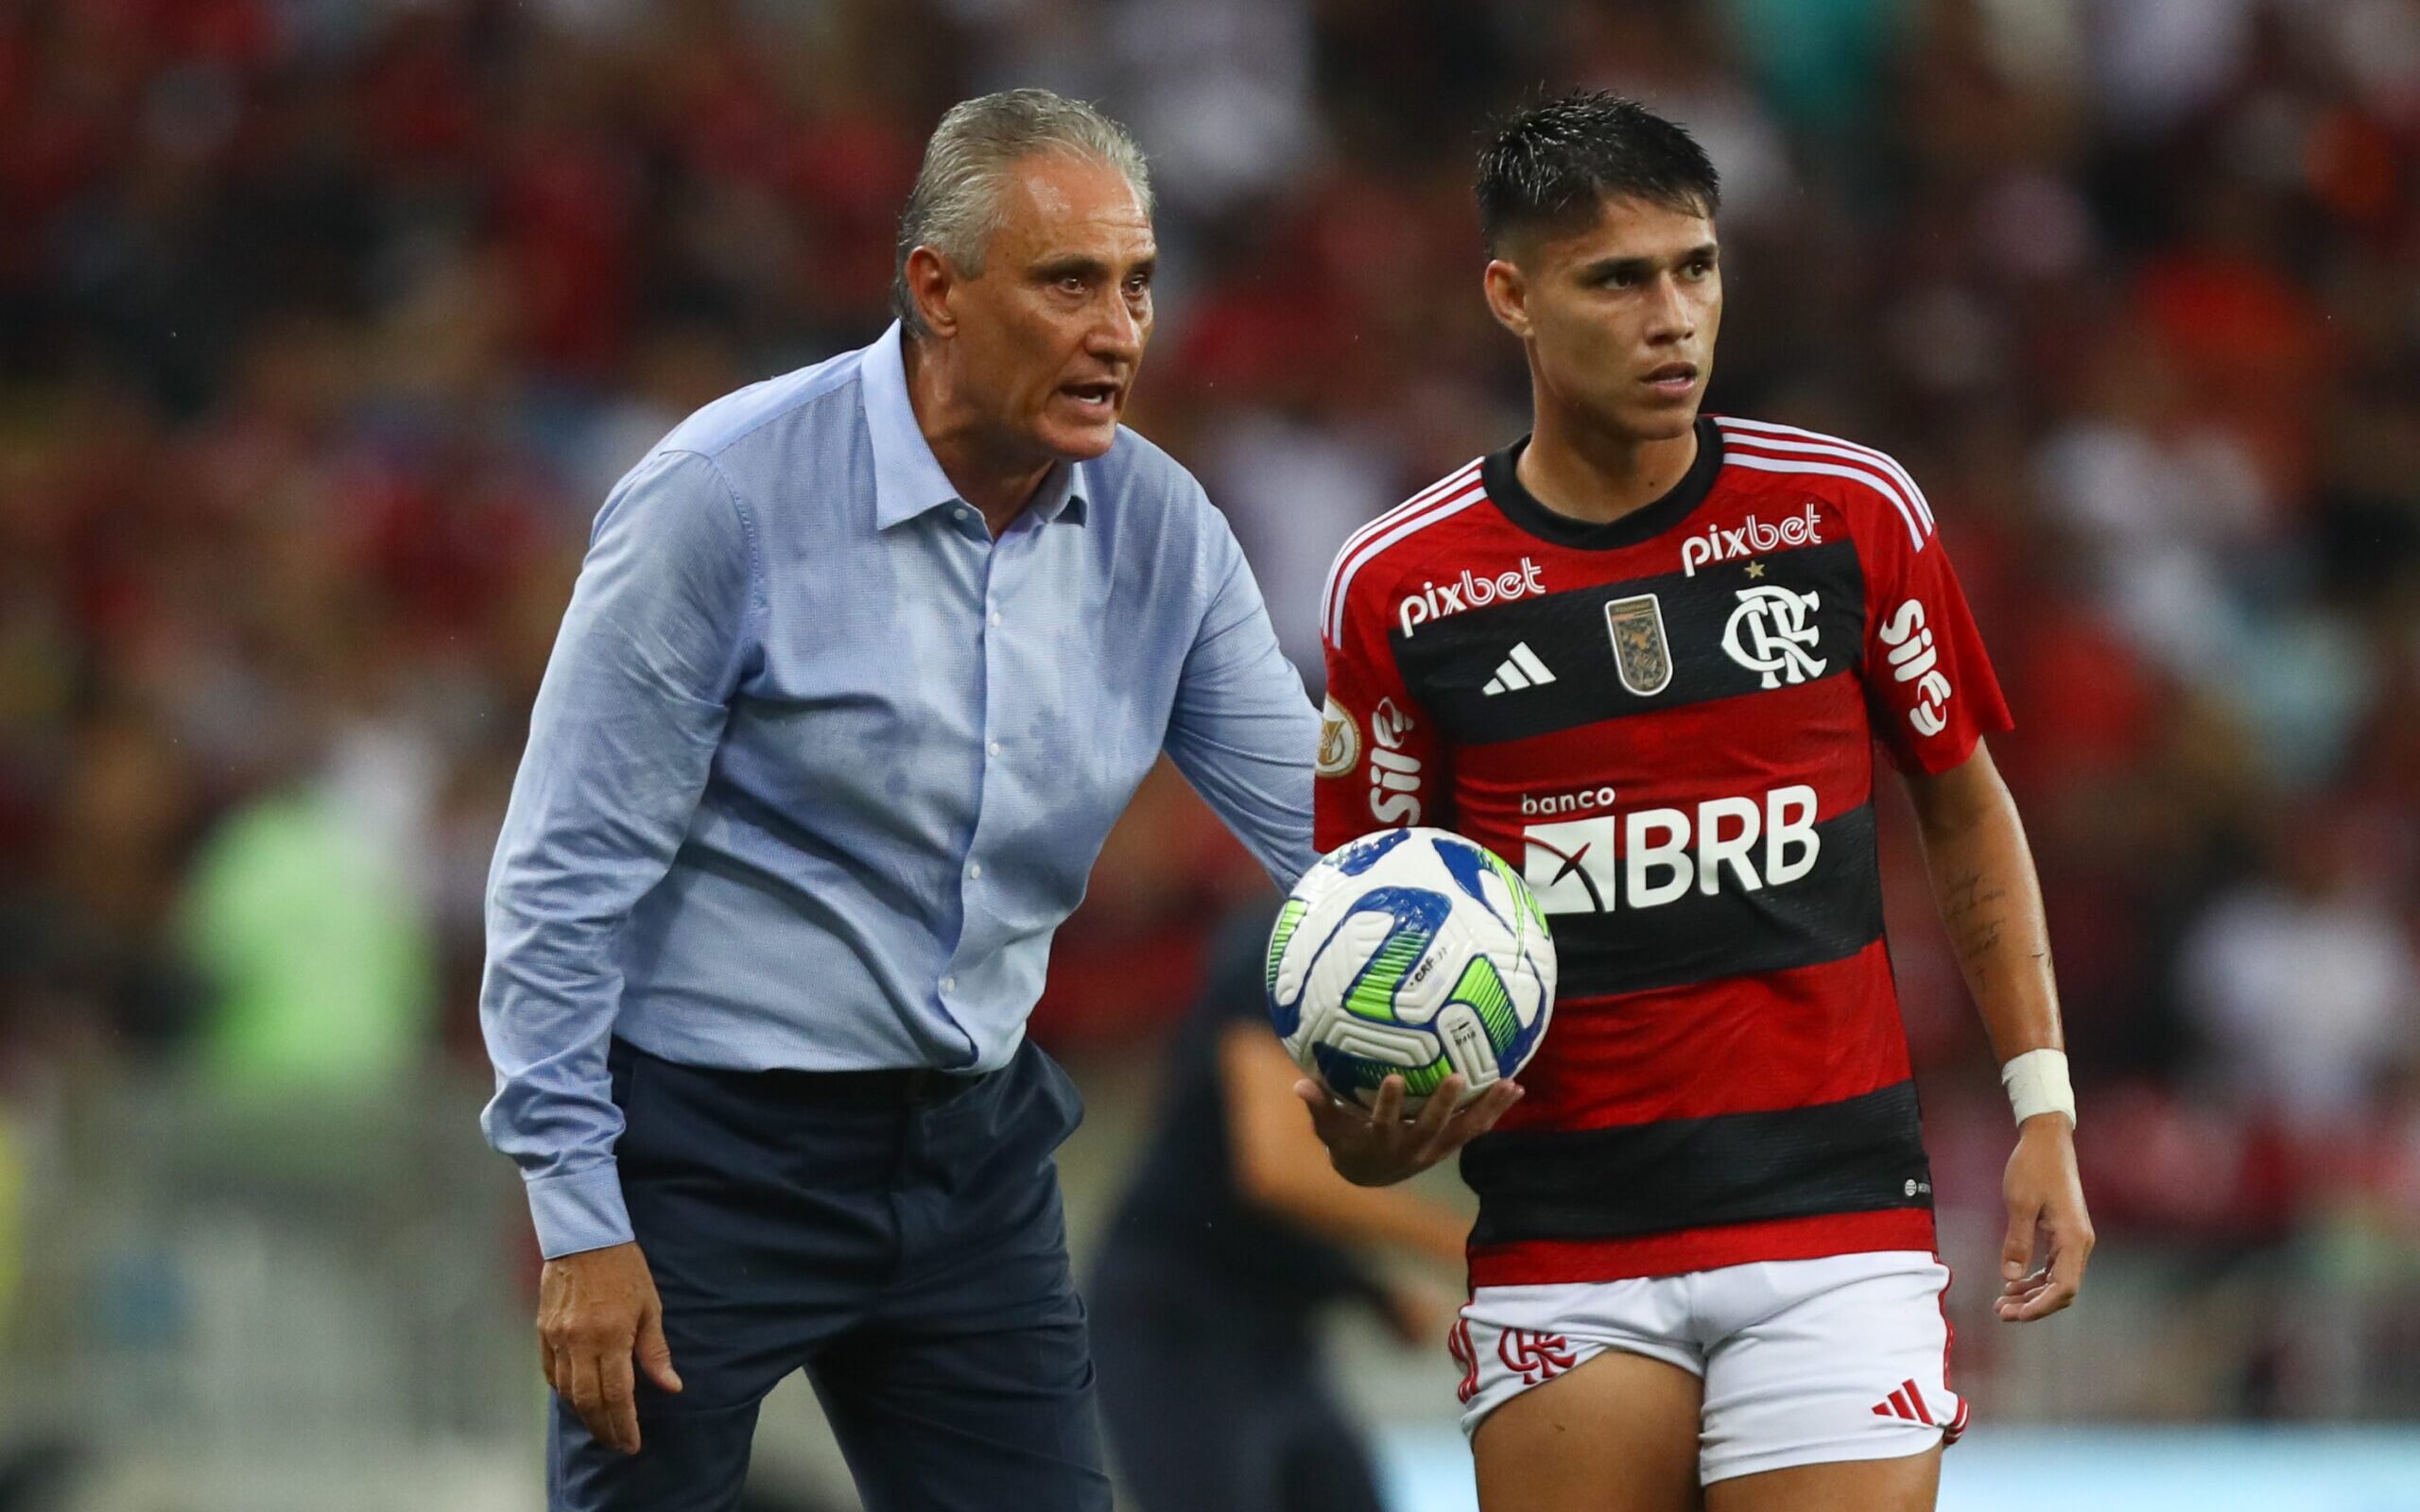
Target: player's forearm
{"points": [[1317, 1199], [1990, 904]]}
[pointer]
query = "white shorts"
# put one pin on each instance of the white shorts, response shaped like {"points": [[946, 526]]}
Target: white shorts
{"points": [[1805, 1362]]}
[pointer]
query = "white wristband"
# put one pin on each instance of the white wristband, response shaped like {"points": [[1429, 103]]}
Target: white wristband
{"points": [[2037, 1083]]}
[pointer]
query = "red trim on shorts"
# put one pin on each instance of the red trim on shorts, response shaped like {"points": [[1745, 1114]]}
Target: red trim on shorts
{"points": [[1949, 1340], [1563, 1261]]}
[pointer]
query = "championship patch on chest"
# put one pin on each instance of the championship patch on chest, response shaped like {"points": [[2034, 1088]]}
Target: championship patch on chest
{"points": [[1642, 658]]}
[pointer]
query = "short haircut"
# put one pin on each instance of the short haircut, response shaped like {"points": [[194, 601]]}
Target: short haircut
{"points": [[960, 190], [1552, 165]]}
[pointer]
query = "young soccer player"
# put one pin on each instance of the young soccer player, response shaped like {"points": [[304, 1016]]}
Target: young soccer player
{"points": [[1646, 655]]}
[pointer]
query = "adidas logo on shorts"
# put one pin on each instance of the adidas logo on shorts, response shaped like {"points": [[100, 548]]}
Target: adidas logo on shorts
{"points": [[1905, 1402]]}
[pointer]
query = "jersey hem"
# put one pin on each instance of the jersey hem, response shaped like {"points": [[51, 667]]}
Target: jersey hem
{"points": [[1561, 1261]]}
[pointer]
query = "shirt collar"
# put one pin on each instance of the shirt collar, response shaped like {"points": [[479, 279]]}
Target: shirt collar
{"points": [[907, 479]]}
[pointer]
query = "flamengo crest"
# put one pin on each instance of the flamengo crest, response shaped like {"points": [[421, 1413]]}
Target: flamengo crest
{"points": [[1536, 1356], [1771, 633]]}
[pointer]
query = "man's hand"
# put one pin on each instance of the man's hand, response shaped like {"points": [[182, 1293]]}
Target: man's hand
{"points": [[1382, 1147], [597, 1311], [2043, 1192]]}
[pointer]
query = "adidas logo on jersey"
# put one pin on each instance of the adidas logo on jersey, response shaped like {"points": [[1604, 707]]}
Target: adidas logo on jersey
{"points": [[1521, 669]]}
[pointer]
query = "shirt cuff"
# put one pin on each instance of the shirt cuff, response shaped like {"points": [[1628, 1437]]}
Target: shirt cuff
{"points": [[582, 1211]]}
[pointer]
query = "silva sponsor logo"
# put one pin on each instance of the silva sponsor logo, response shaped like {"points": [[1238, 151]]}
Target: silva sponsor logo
{"points": [[1435, 601], [1913, 658], [1752, 537], [1521, 668], [1572, 867], [1389, 724], [1394, 776], [1394, 787], [1579, 802], [1771, 633]]}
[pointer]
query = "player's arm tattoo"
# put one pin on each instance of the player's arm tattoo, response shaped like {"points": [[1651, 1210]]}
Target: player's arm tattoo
{"points": [[1974, 910], [1990, 902]]}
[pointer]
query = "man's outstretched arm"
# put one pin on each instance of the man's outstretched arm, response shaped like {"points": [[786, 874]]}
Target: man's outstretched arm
{"points": [[1991, 903]]}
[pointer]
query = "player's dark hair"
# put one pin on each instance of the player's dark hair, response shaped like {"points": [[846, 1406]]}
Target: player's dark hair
{"points": [[1552, 164]]}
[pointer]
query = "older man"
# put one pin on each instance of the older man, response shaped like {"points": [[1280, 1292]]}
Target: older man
{"points": [[863, 665]]}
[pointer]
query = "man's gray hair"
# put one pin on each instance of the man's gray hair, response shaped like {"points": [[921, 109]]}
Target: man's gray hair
{"points": [[961, 192]]}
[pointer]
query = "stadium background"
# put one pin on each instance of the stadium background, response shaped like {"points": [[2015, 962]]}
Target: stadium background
{"points": [[326, 324]]}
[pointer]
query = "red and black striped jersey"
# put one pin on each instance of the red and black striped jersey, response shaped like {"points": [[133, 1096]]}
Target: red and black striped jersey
{"points": [[1668, 723]]}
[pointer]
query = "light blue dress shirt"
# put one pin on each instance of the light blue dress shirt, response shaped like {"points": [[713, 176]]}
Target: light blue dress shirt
{"points": [[819, 765]]}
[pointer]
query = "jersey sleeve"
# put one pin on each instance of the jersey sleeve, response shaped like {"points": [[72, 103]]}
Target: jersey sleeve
{"points": [[1380, 763], [1928, 683]]}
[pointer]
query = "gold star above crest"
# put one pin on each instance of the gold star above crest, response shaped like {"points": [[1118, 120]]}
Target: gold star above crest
{"points": [[1756, 569]]}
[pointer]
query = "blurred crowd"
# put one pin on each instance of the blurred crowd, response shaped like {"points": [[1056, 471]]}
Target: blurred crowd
{"points": [[325, 325]]}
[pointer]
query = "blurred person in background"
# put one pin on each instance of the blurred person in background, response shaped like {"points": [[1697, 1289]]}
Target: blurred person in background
{"points": [[1233, 1236], [1705, 1265], [2303, 983], [862, 666]]}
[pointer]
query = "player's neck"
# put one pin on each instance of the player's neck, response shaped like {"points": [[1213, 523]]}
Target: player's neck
{"points": [[1593, 474]]}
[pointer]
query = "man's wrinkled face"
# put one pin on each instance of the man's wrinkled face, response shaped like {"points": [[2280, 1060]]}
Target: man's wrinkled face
{"points": [[1050, 336], [1620, 314]]}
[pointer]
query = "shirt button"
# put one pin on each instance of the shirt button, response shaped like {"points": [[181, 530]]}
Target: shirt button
{"points": [[993, 748], [996, 617], [974, 869], [949, 984]]}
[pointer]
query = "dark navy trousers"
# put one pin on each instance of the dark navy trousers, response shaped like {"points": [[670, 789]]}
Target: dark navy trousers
{"points": [[905, 1248], [1216, 1400]]}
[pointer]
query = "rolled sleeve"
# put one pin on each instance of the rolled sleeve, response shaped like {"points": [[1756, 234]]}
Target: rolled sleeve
{"points": [[1243, 731], [621, 740]]}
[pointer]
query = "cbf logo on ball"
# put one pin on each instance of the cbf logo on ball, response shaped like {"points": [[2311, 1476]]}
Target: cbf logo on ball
{"points": [[1437, 600]]}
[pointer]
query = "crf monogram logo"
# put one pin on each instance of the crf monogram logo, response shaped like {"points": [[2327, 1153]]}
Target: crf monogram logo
{"points": [[1458, 1344], [1768, 633], [1537, 1356]]}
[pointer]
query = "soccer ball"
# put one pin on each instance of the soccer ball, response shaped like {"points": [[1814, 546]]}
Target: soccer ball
{"points": [[1410, 953]]}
